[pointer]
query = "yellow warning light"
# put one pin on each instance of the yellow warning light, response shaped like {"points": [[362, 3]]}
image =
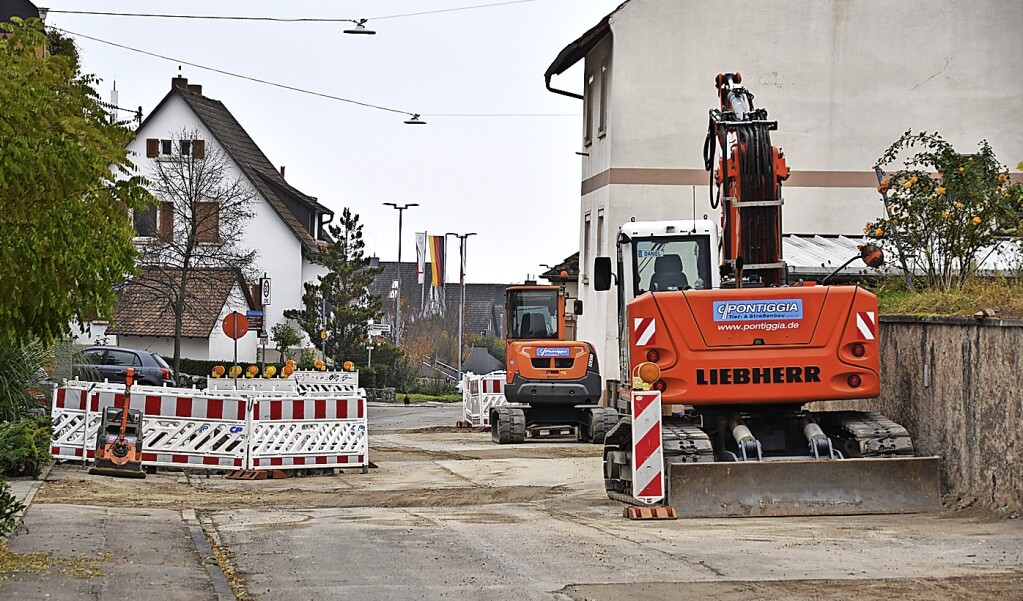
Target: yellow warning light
{"points": [[251, 371], [218, 371], [287, 371], [319, 365], [649, 372], [349, 366], [235, 371], [270, 371]]}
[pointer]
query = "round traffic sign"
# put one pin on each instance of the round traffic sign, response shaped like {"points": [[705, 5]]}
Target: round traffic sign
{"points": [[236, 325]]}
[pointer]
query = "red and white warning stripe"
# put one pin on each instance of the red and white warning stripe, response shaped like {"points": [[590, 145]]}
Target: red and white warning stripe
{"points": [[645, 330], [647, 456], [492, 385], [294, 410], [321, 460], [866, 323]]}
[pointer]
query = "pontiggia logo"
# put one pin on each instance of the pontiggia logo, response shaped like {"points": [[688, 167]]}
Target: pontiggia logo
{"points": [[758, 310]]}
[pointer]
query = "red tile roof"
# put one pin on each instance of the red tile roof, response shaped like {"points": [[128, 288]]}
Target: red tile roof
{"points": [[145, 309]]}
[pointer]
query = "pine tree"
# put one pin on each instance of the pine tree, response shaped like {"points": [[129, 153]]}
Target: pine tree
{"points": [[342, 293]]}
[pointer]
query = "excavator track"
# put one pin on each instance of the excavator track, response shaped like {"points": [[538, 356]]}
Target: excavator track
{"points": [[866, 433], [681, 442], [879, 474]]}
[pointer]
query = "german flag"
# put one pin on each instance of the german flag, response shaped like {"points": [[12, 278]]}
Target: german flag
{"points": [[437, 260]]}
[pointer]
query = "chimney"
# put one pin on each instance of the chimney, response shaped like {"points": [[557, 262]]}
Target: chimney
{"points": [[179, 82], [194, 87], [282, 171]]}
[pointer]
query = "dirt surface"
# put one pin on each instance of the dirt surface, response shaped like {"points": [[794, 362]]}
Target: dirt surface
{"points": [[314, 492], [1005, 587]]}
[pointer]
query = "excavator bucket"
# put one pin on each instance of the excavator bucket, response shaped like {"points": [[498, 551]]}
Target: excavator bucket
{"points": [[803, 487]]}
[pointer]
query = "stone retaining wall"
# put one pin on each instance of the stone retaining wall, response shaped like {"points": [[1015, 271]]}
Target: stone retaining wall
{"points": [[957, 386]]}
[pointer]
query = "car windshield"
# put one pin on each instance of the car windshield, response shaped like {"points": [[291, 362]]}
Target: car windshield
{"points": [[678, 263]]}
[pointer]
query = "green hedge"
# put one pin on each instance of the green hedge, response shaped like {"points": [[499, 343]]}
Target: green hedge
{"points": [[25, 446], [9, 508]]}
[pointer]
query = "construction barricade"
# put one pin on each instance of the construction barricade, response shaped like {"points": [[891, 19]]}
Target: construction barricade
{"points": [[479, 394], [220, 429]]}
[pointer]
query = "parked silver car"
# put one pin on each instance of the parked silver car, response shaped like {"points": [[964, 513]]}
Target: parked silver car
{"points": [[111, 363]]}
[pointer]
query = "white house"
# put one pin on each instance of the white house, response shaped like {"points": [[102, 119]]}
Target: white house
{"points": [[843, 79], [287, 228]]}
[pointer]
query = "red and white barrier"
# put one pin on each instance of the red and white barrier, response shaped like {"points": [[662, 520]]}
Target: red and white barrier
{"points": [[308, 432], [647, 455], [227, 429], [479, 394]]}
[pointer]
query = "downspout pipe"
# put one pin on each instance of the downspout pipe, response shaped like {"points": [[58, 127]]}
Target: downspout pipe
{"points": [[547, 79]]}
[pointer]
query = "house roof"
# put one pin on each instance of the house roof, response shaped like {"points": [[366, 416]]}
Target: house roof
{"points": [[23, 9], [484, 303], [143, 308], [250, 159], [578, 49], [569, 264]]}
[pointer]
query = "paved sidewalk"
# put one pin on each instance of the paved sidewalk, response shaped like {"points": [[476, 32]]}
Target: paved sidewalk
{"points": [[102, 553]]}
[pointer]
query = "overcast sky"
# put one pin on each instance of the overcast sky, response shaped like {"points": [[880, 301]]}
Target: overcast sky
{"points": [[514, 180]]}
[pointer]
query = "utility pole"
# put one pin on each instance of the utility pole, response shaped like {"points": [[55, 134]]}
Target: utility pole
{"points": [[461, 300], [397, 304]]}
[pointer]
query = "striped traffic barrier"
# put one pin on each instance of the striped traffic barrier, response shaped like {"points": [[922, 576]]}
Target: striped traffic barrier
{"points": [[647, 456], [220, 429], [479, 394]]}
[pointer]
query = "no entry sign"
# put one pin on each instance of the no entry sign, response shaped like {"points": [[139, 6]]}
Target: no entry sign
{"points": [[236, 325]]}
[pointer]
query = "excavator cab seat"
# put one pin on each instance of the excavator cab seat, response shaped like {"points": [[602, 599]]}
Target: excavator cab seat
{"points": [[668, 274], [533, 326]]}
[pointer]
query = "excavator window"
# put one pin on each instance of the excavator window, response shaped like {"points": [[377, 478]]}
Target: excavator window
{"points": [[672, 263], [533, 314]]}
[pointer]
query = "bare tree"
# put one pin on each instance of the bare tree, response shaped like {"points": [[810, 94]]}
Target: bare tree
{"points": [[193, 236]]}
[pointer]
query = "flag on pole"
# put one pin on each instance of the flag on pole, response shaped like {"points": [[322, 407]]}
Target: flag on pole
{"points": [[420, 257], [437, 260]]}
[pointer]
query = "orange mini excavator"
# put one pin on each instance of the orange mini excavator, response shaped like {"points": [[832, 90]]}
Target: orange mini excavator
{"points": [[553, 382], [119, 440]]}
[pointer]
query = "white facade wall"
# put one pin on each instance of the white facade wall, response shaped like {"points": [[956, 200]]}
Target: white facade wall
{"points": [[280, 252], [843, 79], [222, 347], [191, 348]]}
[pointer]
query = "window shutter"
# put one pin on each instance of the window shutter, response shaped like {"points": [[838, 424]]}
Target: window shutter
{"points": [[167, 221], [199, 149], [152, 147], [255, 290], [207, 215]]}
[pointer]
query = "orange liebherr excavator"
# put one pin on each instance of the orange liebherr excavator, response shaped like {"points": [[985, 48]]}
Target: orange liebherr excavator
{"points": [[737, 353]]}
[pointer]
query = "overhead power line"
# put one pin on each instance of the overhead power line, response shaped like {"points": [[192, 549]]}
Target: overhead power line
{"points": [[303, 90], [285, 19], [238, 75]]}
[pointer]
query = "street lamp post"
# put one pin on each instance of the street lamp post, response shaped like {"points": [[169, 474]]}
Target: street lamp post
{"points": [[461, 299], [397, 304]]}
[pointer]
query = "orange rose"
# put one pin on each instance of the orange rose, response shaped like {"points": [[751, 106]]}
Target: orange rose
{"points": [[879, 232], [976, 221], [940, 190]]}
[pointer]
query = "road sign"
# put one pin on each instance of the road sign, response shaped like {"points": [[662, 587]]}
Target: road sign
{"points": [[235, 325], [323, 334], [255, 319], [264, 291]]}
